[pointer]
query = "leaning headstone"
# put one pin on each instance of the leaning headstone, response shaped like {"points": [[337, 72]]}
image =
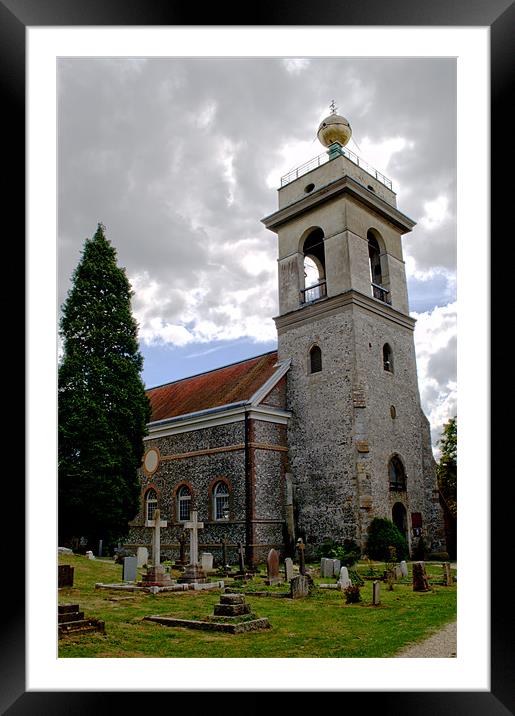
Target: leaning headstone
{"points": [[129, 570], [142, 556], [65, 575], [206, 561], [447, 575], [299, 587], [336, 567], [420, 581], [404, 568], [302, 563], [344, 580], [376, 593], [272, 567], [288, 568]]}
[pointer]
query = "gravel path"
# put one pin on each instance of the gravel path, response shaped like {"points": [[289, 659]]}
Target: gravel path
{"points": [[442, 644]]}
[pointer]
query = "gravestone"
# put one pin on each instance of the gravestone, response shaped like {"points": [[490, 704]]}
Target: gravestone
{"points": [[90, 555], [193, 573], [182, 550], [129, 569], [302, 564], [420, 581], [65, 575], [156, 575], [206, 561], [142, 556], [327, 567], [288, 569], [336, 567], [404, 568], [272, 568], [241, 559], [398, 572], [344, 580], [299, 587], [376, 593], [447, 574]]}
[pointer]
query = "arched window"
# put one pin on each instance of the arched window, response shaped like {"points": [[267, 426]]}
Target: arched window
{"points": [[396, 474], [388, 358], [378, 279], [183, 503], [221, 501], [314, 266], [315, 360], [150, 504]]}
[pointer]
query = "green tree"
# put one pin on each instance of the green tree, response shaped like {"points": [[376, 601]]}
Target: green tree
{"points": [[102, 406], [448, 465]]}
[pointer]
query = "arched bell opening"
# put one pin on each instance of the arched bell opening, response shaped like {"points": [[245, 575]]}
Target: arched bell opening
{"points": [[314, 276]]}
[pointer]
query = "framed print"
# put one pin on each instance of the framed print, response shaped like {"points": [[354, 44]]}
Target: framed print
{"points": [[63, 44]]}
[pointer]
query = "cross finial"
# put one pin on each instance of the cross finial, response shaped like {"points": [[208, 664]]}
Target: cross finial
{"points": [[332, 107]]}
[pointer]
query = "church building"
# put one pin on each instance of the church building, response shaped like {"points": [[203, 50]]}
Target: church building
{"points": [[317, 438]]}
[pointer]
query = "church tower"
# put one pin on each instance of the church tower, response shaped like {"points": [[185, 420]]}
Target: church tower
{"points": [[359, 444]]}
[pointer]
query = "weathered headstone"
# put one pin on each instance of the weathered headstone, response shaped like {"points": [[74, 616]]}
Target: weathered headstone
{"points": [[182, 549], [376, 593], [344, 580], [302, 563], [206, 561], [398, 572], [288, 568], [404, 568], [336, 567], [447, 575], [272, 567], [129, 569], [90, 555], [420, 581], [327, 567], [65, 575], [141, 556], [299, 586]]}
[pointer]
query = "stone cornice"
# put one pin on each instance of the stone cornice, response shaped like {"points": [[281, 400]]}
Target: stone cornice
{"points": [[344, 185], [333, 304]]}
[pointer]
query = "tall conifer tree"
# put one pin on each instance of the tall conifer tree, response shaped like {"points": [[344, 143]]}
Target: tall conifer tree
{"points": [[103, 408]]}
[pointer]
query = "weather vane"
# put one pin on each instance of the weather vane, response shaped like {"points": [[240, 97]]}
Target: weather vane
{"points": [[332, 107]]}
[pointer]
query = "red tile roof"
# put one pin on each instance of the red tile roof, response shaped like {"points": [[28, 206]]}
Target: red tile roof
{"points": [[230, 384]]}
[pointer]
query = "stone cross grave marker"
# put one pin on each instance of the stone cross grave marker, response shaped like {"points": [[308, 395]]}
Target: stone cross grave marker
{"points": [[288, 568], [302, 564], [156, 524], [194, 525], [241, 558]]}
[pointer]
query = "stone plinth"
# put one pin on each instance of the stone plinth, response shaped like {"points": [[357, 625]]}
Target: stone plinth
{"points": [[156, 577], [193, 574]]}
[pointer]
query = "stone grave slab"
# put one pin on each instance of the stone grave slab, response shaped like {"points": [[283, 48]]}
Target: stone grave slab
{"points": [[129, 569]]}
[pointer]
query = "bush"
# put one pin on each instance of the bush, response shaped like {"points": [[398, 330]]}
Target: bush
{"points": [[352, 594], [383, 534], [348, 553]]}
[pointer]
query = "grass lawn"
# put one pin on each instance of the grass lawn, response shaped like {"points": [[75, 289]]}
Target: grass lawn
{"points": [[322, 625]]}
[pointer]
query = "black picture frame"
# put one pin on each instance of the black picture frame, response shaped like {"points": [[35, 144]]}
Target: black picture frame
{"points": [[499, 16]]}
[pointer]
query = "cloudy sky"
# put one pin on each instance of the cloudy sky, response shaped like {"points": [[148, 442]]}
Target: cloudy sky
{"points": [[181, 158]]}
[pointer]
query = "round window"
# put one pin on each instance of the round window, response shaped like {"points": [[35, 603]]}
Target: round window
{"points": [[309, 188]]}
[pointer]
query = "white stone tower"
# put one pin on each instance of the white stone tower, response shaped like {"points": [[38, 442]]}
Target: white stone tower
{"points": [[359, 444]]}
